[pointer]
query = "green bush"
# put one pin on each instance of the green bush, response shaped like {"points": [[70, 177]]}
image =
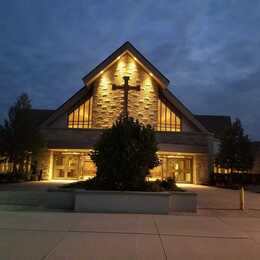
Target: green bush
{"points": [[124, 155], [154, 186], [168, 184]]}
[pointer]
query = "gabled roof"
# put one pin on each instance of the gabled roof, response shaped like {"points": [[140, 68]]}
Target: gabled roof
{"points": [[127, 47], [38, 116], [156, 74], [183, 110], [80, 95], [214, 123]]}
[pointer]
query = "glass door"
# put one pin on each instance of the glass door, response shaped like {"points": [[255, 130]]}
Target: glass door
{"points": [[72, 168], [65, 166], [59, 164], [180, 169]]}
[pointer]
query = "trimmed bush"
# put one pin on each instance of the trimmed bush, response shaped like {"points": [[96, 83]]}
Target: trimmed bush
{"points": [[124, 155]]}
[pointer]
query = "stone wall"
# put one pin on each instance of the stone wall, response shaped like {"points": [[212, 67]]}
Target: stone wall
{"points": [[201, 169], [108, 103], [43, 164]]}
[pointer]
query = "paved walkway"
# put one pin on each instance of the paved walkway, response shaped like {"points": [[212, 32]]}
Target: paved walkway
{"points": [[214, 201], [217, 231], [26, 195], [220, 198], [27, 235], [32, 185]]}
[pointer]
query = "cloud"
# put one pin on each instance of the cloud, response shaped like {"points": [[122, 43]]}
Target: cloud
{"points": [[210, 50]]}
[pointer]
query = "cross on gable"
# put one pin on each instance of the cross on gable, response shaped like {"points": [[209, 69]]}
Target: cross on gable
{"points": [[126, 87]]}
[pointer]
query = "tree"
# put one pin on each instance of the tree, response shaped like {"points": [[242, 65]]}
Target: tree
{"points": [[235, 149], [124, 154], [19, 137]]}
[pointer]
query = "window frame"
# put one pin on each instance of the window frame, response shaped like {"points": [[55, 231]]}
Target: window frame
{"points": [[87, 121], [166, 126]]}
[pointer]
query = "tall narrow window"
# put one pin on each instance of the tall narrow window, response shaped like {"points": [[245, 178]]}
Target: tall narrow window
{"points": [[167, 120], [81, 116]]}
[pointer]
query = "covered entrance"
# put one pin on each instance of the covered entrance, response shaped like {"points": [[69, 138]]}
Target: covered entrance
{"points": [[180, 169], [65, 166], [72, 165]]}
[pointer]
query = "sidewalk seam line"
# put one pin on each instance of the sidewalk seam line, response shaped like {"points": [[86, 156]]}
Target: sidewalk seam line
{"points": [[160, 238]]}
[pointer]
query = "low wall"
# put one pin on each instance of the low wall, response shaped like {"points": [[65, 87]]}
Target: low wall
{"points": [[183, 202], [122, 201], [60, 199], [128, 202]]}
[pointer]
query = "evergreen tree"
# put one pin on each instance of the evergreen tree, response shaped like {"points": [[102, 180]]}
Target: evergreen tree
{"points": [[19, 137], [235, 149]]}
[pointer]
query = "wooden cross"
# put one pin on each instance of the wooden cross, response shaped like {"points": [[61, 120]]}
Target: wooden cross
{"points": [[126, 87]]}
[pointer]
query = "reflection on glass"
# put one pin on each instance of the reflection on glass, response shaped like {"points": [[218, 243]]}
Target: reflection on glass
{"points": [[81, 116], [167, 120]]}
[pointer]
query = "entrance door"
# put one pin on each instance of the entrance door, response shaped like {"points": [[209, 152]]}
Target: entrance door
{"points": [[65, 166], [180, 169]]}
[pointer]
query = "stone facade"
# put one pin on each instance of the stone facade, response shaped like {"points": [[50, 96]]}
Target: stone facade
{"points": [[108, 103], [201, 168], [44, 164]]}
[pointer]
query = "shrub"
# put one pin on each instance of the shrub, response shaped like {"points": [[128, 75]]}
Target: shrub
{"points": [[168, 184], [124, 155], [154, 186]]}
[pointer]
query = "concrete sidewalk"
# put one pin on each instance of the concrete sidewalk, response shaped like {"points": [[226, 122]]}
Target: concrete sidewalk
{"points": [[222, 199], [45, 235]]}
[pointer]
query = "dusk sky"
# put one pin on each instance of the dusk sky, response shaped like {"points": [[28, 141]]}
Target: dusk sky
{"points": [[209, 50]]}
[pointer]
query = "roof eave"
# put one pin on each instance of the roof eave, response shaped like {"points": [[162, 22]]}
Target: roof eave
{"points": [[184, 110], [110, 60]]}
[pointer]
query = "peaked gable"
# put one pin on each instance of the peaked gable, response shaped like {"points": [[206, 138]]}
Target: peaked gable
{"points": [[215, 124], [107, 103], [66, 107], [183, 110], [139, 58]]}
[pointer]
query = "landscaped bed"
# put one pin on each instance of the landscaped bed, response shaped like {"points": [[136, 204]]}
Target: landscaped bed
{"points": [[105, 201], [148, 186]]}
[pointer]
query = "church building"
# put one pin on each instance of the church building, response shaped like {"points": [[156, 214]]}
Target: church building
{"points": [[126, 82]]}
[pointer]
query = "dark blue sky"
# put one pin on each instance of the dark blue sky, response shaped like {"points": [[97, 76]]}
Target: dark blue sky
{"points": [[210, 50]]}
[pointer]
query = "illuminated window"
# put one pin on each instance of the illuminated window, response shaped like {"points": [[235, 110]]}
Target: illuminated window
{"points": [[81, 116], [167, 120]]}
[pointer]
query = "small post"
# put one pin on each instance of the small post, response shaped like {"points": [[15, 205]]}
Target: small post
{"points": [[242, 198]]}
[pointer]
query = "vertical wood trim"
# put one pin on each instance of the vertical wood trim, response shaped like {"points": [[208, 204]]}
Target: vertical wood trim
{"points": [[78, 115], [83, 119], [165, 117], [73, 120], [89, 106], [160, 115]]}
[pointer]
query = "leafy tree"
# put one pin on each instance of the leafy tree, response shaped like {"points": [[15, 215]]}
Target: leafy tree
{"points": [[124, 154], [235, 149], [19, 137]]}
